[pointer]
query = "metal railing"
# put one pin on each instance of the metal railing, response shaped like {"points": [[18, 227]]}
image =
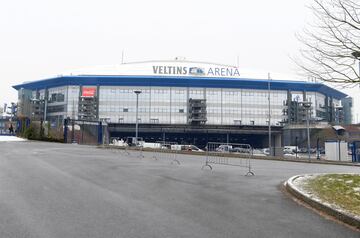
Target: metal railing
{"points": [[229, 154], [124, 149], [166, 152], [158, 151], [134, 151]]}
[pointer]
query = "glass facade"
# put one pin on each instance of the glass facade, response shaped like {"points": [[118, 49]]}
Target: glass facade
{"points": [[73, 93], [56, 104], [170, 105], [166, 105]]}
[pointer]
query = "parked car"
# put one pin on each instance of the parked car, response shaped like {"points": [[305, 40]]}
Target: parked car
{"points": [[186, 148], [241, 150], [289, 149], [224, 148], [258, 152], [194, 148], [165, 146], [231, 149]]}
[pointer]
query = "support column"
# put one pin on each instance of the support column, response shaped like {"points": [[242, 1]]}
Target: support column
{"points": [[278, 145]]}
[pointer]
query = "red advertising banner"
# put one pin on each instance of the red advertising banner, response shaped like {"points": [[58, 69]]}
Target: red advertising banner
{"points": [[89, 92]]}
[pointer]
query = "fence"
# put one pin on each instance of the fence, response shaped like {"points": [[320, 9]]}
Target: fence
{"points": [[162, 154], [134, 151], [83, 132], [229, 154], [128, 151], [166, 151], [158, 151]]}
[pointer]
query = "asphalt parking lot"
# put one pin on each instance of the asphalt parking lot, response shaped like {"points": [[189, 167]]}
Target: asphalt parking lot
{"points": [[64, 190]]}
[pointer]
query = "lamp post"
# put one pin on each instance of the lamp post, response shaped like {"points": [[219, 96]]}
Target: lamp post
{"points": [[307, 106], [270, 150], [317, 149], [296, 148], [356, 55], [137, 92], [339, 130]]}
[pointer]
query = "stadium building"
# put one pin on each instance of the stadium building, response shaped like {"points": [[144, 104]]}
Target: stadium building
{"points": [[182, 101]]}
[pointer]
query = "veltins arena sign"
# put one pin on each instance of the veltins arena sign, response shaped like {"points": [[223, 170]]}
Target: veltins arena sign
{"points": [[167, 68], [196, 71]]}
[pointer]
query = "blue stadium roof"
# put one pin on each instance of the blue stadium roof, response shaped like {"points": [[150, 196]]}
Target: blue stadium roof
{"points": [[173, 81]]}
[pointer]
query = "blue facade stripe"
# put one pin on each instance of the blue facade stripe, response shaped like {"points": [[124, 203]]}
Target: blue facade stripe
{"points": [[162, 81]]}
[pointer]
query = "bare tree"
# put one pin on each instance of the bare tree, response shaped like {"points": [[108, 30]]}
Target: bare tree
{"points": [[331, 44]]}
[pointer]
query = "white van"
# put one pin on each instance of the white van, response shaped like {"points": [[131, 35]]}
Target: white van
{"points": [[289, 149]]}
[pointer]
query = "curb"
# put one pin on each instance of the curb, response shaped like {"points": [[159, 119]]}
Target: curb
{"points": [[345, 217], [327, 162], [270, 158]]}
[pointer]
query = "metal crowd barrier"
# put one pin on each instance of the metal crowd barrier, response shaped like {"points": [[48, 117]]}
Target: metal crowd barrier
{"points": [[229, 154], [166, 152], [129, 151], [174, 157], [163, 152], [134, 151]]}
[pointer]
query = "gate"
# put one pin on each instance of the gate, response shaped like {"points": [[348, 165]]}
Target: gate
{"points": [[229, 154], [83, 132]]}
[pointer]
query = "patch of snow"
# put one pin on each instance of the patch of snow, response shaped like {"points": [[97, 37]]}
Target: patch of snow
{"points": [[10, 138], [298, 183]]}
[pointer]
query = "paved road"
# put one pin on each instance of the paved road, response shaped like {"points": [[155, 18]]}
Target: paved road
{"points": [[56, 190]]}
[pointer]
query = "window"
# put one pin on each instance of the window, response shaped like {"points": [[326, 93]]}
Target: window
{"points": [[60, 97], [60, 108], [154, 120], [126, 110], [237, 122]]}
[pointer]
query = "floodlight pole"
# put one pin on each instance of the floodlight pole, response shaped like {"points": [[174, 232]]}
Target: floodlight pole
{"points": [[137, 92]]}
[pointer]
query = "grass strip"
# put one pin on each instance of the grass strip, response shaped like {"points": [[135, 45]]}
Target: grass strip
{"points": [[341, 190]]}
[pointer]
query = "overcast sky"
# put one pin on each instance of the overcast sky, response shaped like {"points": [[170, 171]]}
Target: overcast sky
{"points": [[43, 38]]}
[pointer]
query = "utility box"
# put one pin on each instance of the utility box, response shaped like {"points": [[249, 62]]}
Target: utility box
{"points": [[336, 150]]}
